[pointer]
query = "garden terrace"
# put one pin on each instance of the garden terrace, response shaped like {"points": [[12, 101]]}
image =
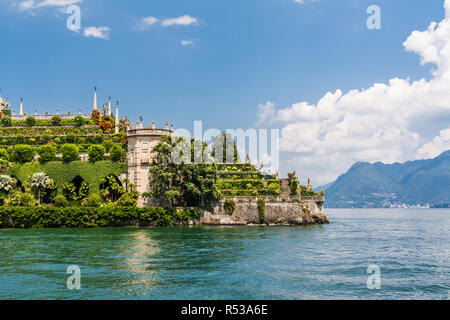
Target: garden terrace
{"points": [[61, 173], [243, 180]]}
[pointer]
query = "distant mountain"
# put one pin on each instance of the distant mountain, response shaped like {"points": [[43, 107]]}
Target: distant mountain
{"points": [[419, 183]]}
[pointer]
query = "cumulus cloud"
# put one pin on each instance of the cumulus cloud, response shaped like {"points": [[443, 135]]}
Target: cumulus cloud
{"points": [[149, 20], [187, 42], [32, 4], [185, 20], [382, 123], [97, 32]]}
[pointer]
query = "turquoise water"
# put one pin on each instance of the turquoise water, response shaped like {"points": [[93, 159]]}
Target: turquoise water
{"points": [[410, 246]]}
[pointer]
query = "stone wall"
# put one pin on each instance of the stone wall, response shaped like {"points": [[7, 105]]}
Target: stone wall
{"points": [[246, 212]]}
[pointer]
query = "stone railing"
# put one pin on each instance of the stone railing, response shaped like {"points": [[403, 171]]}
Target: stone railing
{"points": [[287, 198]]}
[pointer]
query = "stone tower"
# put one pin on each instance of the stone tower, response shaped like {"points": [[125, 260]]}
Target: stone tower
{"points": [[140, 144]]}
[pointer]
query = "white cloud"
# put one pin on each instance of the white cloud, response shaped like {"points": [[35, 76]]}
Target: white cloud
{"points": [[32, 4], [97, 32], [435, 147], [382, 123], [183, 21], [187, 42], [149, 20]]}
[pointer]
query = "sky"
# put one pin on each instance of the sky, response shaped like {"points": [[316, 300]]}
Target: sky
{"points": [[338, 91]]}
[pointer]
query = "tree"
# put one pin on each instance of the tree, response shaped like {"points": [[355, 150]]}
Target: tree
{"points": [[108, 144], [117, 153], [46, 153], [294, 186], [6, 121], [225, 144], [79, 121], [4, 154], [6, 183], [106, 126], [96, 153], [40, 181], [185, 183], [69, 152], [23, 153], [56, 121], [30, 121], [96, 116]]}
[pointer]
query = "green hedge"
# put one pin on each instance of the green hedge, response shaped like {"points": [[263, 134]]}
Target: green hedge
{"points": [[64, 122], [238, 175], [85, 217], [45, 138], [240, 184], [57, 131], [61, 173], [250, 193]]}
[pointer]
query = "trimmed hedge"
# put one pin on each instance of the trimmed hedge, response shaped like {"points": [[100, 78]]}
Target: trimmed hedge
{"points": [[240, 184], [87, 217], [61, 173]]}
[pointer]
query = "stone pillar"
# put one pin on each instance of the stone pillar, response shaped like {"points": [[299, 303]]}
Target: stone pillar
{"points": [[95, 99], [116, 124], [109, 107], [21, 107]]}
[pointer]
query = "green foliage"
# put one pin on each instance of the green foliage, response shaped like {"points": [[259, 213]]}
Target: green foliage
{"points": [[261, 210], [107, 144], [79, 121], [30, 121], [96, 153], [225, 150], [294, 186], [305, 192], [38, 182], [69, 191], [229, 206], [23, 153], [4, 154], [61, 173], [46, 153], [56, 121], [87, 217], [184, 184], [6, 121], [117, 153], [70, 138], [94, 200], [7, 112], [128, 199], [61, 201], [69, 153]]}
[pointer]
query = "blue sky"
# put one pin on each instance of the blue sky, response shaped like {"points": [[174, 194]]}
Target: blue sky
{"points": [[243, 53]]}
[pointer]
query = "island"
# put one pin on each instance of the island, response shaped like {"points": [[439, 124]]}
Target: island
{"points": [[97, 170]]}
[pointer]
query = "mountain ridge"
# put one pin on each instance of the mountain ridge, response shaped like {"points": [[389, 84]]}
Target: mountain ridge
{"points": [[415, 183]]}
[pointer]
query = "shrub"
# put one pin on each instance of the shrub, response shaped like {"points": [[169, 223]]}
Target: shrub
{"points": [[46, 153], [261, 210], [30, 121], [108, 144], [26, 199], [70, 138], [6, 121], [94, 200], [294, 186], [23, 153], [69, 191], [79, 121], [4, 154], [56, 121], [7, 112], [96, 153], [39, 181], [117, 153], [229, 207], [69, 152], [128, 199], [60, 201], [6, 183]]}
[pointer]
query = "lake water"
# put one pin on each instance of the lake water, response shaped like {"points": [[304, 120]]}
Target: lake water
{"points": [[410, 246]]}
